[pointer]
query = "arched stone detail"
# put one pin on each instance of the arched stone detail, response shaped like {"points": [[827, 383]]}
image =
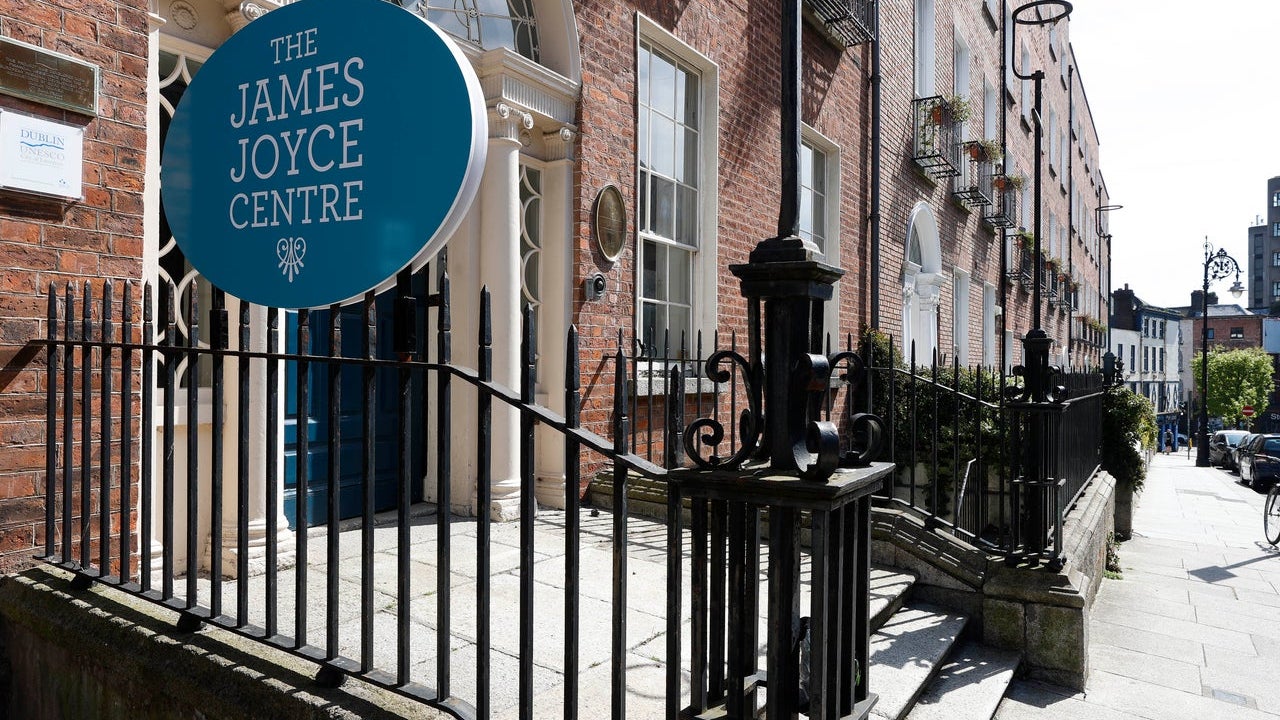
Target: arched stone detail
{"points": [[922, 283]]}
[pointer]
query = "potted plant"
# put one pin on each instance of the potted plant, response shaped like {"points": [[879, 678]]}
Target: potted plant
{"points": [[1004, 182], [1027, 240], [956, 108], [985, 150]]}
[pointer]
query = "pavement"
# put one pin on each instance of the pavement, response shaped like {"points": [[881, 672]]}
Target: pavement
{"points": [[1191, 629]]}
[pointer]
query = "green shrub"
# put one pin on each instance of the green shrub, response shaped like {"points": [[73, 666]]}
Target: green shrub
{"points": [[1128, 429]]}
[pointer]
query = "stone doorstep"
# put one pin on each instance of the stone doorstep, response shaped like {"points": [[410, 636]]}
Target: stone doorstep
{"points": [[906, 654], [970, 686]]}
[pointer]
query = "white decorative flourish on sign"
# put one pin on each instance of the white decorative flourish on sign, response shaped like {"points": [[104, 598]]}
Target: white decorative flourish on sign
{"points": [[291, 251]]}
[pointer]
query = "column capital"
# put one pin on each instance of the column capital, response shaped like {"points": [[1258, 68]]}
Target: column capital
{"points": [[559, 144], [508, 123], [242, 12]]}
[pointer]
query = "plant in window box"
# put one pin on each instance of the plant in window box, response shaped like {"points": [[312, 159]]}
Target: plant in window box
{"points": [[1051, 264], [949, 109], [1027, 240], [985, 151], [1008, 182]]}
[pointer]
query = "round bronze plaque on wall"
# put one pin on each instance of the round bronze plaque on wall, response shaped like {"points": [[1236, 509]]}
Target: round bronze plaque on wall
{"points": [[609, 222]]}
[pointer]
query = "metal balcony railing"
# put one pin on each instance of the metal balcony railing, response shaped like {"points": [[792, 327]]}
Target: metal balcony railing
{"points": [[849, 22], [1051, 283], [974, 185], [935, 148], [1003, 210]]}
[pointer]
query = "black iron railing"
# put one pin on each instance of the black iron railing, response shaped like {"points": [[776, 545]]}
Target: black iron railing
{"points": [[1003, 211], [207, 407], [974, 186], [1023, 268], [935, 136], [956, 438], [851, 22]]}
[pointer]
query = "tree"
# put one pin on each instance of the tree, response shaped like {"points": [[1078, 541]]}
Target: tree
{"points": [[1236, 378]]}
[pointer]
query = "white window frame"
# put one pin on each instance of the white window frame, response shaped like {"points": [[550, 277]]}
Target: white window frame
{"points": [[960, 335], [1024, 61], [961, 60], [990, 110], [990, 311], [704, 300], [831, 220], [926, 41]]}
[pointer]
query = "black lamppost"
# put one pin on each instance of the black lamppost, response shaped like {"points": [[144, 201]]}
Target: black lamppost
{"points": [[1097, 226], [1217, 265], [1037, 391]]}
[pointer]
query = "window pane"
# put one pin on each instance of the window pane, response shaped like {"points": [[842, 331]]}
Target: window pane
{"points": [[687, 214], [678, 325], [662, 86], [644, 201], [680, 267], [661, 206], [818, 174], [689, 98], [687, 157], [663, 137], [642, 140], [648, 271], [806, 212], [648, 321], [660, 277], [642, 75]]}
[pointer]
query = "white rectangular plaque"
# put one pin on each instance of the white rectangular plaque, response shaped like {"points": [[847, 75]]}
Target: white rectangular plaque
{"points": [[40, 156]]}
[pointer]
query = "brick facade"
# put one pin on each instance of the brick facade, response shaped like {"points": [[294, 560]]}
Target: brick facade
{"points": [[103, 236], [42, 244]]}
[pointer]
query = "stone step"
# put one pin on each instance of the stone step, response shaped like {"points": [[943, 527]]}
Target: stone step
{"points": [[907, 652], [970, 685], [890, 589]]}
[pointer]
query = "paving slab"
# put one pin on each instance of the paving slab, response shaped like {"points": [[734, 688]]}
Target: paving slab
{"points": [[1192, 628]]}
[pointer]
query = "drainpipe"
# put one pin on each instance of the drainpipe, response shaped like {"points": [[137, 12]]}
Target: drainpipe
{"points": [[875, 175], [1071, 200], [1004, 137]]}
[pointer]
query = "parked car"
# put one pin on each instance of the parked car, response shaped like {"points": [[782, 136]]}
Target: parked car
{"points": [[1221, 443], [1259, 459], [1232, 459]]}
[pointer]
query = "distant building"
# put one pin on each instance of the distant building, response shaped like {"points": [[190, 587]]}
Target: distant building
{"points": [[1148, 340], [1264, 255]]}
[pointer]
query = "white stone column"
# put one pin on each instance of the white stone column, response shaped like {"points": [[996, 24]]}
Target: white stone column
{"points": [[500, 272], [256, 433], [558, 292], [150, 260]]}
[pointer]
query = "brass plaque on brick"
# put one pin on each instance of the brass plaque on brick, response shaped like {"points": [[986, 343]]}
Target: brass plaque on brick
{"points": [[46, 77]]}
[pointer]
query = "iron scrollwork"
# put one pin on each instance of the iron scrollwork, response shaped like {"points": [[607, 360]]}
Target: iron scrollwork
{"points": [[816, 444], [709, 432], [866, 429]]}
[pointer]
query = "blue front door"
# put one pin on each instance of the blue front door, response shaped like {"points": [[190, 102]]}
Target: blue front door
{"points": [[387, 421]]}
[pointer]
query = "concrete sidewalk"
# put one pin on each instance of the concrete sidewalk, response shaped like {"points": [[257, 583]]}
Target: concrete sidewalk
{"points": [[1192, 630]]}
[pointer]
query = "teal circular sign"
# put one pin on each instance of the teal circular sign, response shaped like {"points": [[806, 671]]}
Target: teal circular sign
{"points": [[323, 148]]}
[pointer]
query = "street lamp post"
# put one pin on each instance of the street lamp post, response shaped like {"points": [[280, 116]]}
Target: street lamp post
{"points": [[1038, 392], [1217, 265], [1097, 225]]}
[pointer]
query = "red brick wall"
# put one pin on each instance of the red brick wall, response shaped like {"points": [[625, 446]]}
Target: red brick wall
{"points": [[40, 245], [742, 40]]}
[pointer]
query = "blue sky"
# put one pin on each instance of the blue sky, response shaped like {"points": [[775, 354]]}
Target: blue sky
{"points": [[1182, 95]]}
